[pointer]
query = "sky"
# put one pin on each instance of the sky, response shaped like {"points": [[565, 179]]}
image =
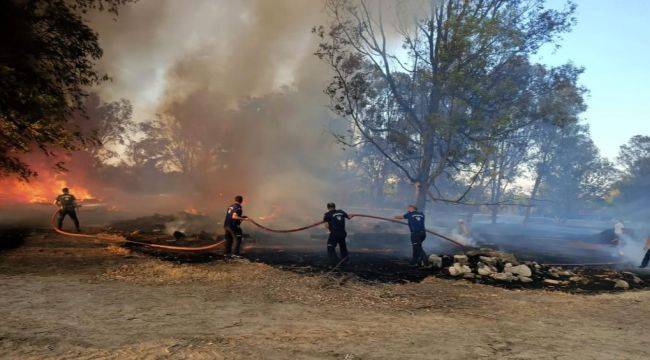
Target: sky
{"points": [[612, 42]]}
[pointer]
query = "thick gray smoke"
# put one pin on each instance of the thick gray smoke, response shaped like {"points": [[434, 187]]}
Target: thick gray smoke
{"points": [[239, 83]]}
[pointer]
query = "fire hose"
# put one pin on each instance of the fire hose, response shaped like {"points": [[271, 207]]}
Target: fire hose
{"points": [[283, 231], [217, 244], [155, 246], [454, 242]]}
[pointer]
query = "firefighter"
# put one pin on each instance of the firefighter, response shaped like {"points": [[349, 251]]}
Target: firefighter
{"points": [[232, 227], [646, 259], [67, 204], [619, 240], [335, 223], [418, 233]]}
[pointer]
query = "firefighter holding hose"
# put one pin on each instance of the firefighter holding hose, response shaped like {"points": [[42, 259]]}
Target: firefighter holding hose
{"points": [[67, 204], [415, 220], [335, 222], [232, 227]]}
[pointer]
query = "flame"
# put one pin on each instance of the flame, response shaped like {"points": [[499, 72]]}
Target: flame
{"points": [[193, 211], [276, 211], [41, 190]]}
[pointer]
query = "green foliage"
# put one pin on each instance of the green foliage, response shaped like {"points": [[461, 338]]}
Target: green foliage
{"points": [[47, 58], [577, 178], [465, 83], [634, 186]]}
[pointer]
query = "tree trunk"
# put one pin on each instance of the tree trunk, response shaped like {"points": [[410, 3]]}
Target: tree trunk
{"points": [[421, 189], [533, 194]]}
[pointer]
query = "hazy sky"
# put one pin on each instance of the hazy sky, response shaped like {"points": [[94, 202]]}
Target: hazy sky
{"points": [[612, 42]]}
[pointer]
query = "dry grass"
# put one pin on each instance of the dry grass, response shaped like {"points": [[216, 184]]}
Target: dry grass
{"points": [[247, 278]]}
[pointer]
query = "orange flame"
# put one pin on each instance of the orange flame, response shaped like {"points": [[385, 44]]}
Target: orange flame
{"points": [[276, 211], [41, 190]]}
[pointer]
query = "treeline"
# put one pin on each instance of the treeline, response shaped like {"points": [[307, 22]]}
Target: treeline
{"points": [[451, 109]]}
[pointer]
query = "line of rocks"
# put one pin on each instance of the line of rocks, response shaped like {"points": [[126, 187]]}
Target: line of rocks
{"points": [[491, 266]]}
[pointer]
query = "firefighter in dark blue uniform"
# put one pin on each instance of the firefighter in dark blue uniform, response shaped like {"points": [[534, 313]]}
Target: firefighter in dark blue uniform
{"points": [[335, 222], [418, 234], [67, 204], [232, 227]]}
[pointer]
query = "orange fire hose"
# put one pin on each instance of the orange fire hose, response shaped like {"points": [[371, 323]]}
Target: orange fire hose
{"points": [[155, 246], [456, 243], [217, 244]]}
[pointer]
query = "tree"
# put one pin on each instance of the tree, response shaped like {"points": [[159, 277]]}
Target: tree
{"points": [[559, 103], [576, 177], [47, 58], [437, 108], [634, 186], [109, 127]]}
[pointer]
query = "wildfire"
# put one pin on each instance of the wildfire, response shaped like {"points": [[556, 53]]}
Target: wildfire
{"points": [[275, 213], [193, 211], [42, 190]]}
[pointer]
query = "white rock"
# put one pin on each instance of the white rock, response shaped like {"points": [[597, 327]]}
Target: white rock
{"points": [[504, 276], [621, 284], [459, 270], [551, 282], [524, 279], [488, 260], [580, 279], [521, 270], [461, 259], [484, 269], [435, 261]]}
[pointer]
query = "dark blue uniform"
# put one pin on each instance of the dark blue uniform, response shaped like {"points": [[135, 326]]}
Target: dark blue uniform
{"points": [[68, 205], [418, 234], [336, 222], [233, 229]]}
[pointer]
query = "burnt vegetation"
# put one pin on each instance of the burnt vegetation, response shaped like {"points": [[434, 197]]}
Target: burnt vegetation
{"points": [[440, 104]]}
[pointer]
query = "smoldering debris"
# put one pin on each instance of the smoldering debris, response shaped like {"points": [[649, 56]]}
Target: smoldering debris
{"points": [[12, 237], [388, 263]]}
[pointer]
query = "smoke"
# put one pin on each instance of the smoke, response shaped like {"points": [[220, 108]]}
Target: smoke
{"points": [[238, 87]]}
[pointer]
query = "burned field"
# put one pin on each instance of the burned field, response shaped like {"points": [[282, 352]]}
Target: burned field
{"points": [[379, 254]]}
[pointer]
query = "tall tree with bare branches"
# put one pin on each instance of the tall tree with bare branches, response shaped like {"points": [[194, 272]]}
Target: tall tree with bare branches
{"points": [[433, 94]]}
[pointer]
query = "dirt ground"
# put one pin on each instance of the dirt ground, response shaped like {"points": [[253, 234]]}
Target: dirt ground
{"points": [[69, 298]]}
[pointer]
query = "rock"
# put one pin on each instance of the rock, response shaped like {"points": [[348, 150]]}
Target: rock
{"points": [[488, 260], [485, 253], [459, 270], [524, 279], [505, 257], [621, 284], [631, 277], [460, 259], [435, 261], [520, 270], [504, 276], [469, 276], [551, 282], [558, 272], [485, 269], [581, 279]]}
